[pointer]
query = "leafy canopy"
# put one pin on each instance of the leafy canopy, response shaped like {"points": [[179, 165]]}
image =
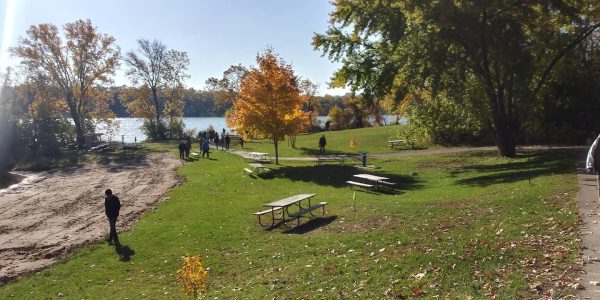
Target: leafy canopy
{"points": [[75, 66], [269, 104], [494, 54]]}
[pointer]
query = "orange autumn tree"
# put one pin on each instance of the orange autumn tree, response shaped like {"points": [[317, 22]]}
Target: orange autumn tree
{"points": [[269, 104]]}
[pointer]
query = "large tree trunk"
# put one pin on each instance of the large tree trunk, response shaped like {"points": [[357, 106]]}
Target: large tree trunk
{"points": [[505, 141], [77, 121], [503, 126], [276, 151], [157, 112]]}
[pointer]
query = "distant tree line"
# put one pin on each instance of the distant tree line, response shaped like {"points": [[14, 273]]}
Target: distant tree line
{"points": [[196, 103]]}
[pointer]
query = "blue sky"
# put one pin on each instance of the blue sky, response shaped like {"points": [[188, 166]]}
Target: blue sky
{"points": [[215, 34]]}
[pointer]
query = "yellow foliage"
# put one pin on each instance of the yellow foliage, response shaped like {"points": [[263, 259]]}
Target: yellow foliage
{"points": [[192, 276], [269, 103], [138, 101]]}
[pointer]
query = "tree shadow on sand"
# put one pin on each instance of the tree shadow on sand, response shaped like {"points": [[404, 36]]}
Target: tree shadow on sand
{"points": [[123, 161], [537, 164]]}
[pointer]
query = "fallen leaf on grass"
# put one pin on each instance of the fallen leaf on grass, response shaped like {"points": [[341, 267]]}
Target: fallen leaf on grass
{"points": [[417, 292], [418, 275]]}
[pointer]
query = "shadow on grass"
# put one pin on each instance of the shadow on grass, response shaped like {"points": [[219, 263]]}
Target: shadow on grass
{"points": [[337, 175], [315, 152], [125, 252], [311, 225], [536, 164]]}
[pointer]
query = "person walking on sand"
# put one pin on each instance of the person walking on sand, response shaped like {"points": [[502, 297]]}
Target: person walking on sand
{"points": [[205, 148], [322, 143], [112, 205], [592, 163]]}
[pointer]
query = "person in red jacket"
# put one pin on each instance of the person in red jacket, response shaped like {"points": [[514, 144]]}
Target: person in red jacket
{"points": [[112, 205]]}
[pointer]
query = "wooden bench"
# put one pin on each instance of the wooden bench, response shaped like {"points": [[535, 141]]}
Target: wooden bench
{"points": [[297, 215], [366, 186], [396, 143], [264, 212], [321, 160], [246, 170], [338, 158]]}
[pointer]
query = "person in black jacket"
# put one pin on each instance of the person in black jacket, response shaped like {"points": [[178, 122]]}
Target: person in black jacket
{"points": [[322, 143], [112, 205]]}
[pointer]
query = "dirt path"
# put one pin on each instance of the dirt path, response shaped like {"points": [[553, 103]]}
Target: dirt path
{"points": [[51, 213], [589, 210]]}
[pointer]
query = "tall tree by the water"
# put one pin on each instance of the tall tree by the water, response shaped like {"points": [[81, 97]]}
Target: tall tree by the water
{"points": [[77, 65], [158, 74]]}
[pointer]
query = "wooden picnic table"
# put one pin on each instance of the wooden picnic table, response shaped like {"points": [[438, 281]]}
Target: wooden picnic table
{"points": [[258, 156], [258, 167], [394, 143], [331, 158], [378, 181], [284, 205], [371, 177]]}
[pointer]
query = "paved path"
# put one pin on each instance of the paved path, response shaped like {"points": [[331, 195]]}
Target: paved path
{"points": [[589, 210]]}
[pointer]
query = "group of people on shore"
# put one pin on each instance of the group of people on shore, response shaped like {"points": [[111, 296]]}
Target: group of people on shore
{"points": [[204, 140]]}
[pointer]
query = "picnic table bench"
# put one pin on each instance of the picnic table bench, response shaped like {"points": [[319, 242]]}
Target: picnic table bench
{"points": [[366, 186], [257, 168], [258, 156], [331, 158], [374, 181], [282, 207], [396, 143]]}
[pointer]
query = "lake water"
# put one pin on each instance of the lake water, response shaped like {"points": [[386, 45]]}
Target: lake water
{"points": [[129, 130]]}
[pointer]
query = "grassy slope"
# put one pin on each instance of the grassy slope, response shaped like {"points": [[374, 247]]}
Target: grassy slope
{"points": [[372, 140], [470, 224]]}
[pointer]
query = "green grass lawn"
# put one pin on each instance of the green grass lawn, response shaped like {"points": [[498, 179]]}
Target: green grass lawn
{"points": [[371, 140], [460, 225]]}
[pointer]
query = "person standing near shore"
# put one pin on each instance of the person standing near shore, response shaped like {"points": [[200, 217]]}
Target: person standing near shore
{"points": [[227, 141], [112, 205], [205, 149], [592, 163]]}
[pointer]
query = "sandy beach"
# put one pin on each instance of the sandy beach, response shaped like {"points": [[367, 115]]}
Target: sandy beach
{"points": [[51, 213]]}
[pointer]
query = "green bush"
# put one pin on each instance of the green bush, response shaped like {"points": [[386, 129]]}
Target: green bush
{"points": [[155, 131], [444, 122]]}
